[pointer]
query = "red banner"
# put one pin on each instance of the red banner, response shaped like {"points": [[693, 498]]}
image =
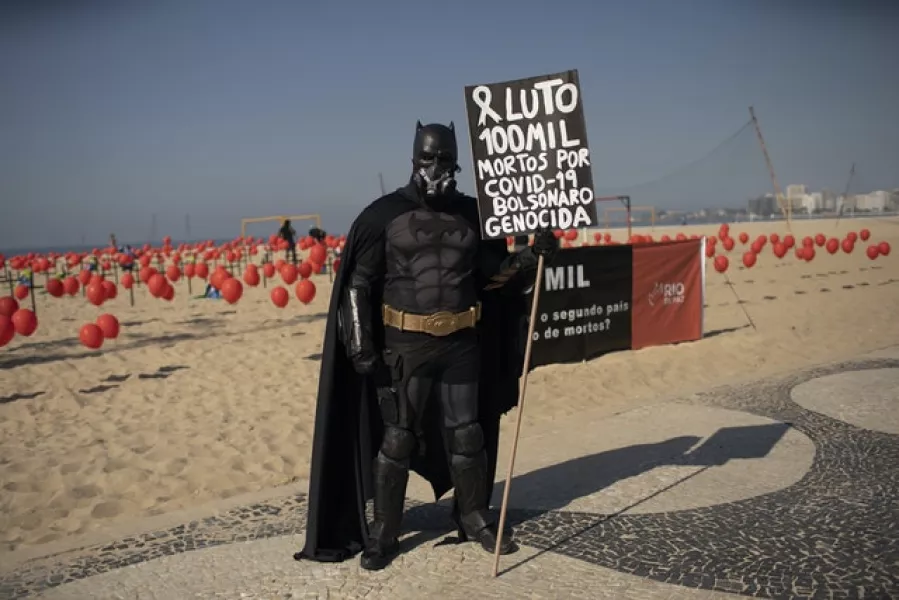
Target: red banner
{"points": [[667, 293]]}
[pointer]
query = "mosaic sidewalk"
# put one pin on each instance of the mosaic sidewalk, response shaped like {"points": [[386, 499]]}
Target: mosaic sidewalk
{"points": [[781, 489]]}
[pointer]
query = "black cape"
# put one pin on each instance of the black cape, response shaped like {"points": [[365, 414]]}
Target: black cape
{"points": [[348, 426]]}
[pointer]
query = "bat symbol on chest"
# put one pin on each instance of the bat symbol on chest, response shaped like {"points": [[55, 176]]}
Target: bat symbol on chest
{"points": [[436, 229]]}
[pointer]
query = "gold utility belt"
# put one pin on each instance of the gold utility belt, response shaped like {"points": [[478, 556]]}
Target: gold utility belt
{"points": [[438, 324]]}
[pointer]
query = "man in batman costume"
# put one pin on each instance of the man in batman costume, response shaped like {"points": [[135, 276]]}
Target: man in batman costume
{"points": [[422, 355]]}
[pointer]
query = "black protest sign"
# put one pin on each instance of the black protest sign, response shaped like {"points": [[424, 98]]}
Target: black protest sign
{"points": [[530, 153], [585, 305]]}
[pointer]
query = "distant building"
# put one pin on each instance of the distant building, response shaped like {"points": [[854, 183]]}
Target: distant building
{"points": [[872, 201], [763, 206], [796, 190], [828, 201], [812, 203]]}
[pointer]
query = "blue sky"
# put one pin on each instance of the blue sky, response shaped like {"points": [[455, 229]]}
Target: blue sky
{"points": [[114, 111]]}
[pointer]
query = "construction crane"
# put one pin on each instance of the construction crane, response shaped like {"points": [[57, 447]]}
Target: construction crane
{"points": [[846, 195]]}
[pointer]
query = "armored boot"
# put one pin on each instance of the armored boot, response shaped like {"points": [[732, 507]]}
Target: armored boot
{"points": [[390, 479], [470, 511]]}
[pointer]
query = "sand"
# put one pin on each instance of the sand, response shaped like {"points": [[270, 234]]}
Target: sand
{"points": [[199, 401]]}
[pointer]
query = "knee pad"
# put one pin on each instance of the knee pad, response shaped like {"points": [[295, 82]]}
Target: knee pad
{"points": [[467, 440], [398, 444]]}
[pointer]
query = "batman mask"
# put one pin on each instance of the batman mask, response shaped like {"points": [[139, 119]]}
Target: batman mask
{"points": [[435, 159]]}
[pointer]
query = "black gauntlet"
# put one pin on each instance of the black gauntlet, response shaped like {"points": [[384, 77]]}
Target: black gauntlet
{"points": [[356, 324]]}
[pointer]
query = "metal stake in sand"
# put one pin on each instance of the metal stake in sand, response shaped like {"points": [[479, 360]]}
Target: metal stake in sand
{"points": [[31, 289], [12, 290], [521, 394], [730, 284]]}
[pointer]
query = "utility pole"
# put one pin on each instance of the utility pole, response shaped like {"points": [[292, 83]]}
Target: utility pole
{"points": [[785, 206]]}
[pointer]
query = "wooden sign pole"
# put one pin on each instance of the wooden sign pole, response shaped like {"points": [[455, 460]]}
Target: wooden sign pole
{"points": [[523, 384]]}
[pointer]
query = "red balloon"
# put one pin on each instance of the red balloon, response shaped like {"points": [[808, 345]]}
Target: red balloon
{"points": [[24, 321], [570, 235], [168, 294], [280, 296], [202, 270], [157, 285], [721, 263], [820, 240], [190, 270], [336, 264], [780, 250], [251, 276], [305, 291], [852, 236], [268, 269], [288, 273], [809, 254], [91, 336], [96, 295], [8, 306], [21, 291], [109, 326], [749, 259], [84, 277], [318, 254], [744, 237], [848, 246], [756, 247], [173, 273], [55, 288], [873, 251], [884, 248], [808, 242], [800, 252], [832, 245], [728, 243], [71, 286], [109, 289], [218, 277], [305, 270], [146, 273], [789, 241], [232, 290], [127, 281], [7, 330]]}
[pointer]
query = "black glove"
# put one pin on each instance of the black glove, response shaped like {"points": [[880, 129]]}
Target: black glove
{"points": [[545, 244], [367, 363]]}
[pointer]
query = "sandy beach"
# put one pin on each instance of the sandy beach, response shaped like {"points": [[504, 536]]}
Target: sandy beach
{"points": [[199, 400]]}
